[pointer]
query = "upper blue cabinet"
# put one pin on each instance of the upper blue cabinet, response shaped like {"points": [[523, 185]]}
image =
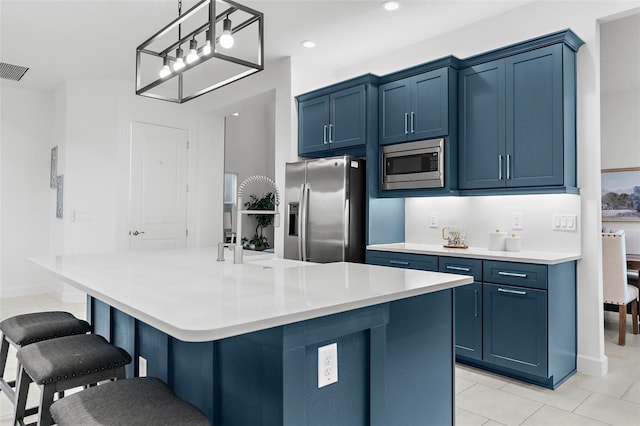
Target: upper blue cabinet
{"points": [[337, 119], [415, 107], [517, 117]]}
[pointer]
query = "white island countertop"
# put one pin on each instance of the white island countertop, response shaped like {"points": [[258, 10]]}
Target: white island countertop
{"points": [[541, 257], [188, 294]]}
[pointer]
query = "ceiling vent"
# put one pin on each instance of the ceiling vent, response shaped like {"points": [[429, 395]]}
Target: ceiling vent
{"points": [[12, 72]]}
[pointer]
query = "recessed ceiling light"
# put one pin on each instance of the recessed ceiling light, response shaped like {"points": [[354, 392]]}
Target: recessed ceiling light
{"points": [[235, 114], [391, 5], [308, 44]]}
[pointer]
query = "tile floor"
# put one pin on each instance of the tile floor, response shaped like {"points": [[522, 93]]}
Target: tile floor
{"points": [[482, 398]]}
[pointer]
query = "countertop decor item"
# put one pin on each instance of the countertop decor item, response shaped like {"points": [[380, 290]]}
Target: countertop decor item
{"points": [[178, 69], [497, 240], [513, 243], [455, 236]]}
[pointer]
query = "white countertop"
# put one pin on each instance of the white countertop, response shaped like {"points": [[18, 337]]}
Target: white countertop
{"points": [[541, 257], [189, 295]]}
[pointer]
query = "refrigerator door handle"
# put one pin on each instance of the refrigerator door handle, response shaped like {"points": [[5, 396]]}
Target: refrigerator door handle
{"points": [[302, 223]]}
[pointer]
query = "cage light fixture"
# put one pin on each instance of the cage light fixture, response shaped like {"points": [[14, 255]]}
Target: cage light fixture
{"points": [[215, 43]]}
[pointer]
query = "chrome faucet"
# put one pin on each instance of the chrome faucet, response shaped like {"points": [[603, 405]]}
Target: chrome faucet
{"points": [[237, 248]]}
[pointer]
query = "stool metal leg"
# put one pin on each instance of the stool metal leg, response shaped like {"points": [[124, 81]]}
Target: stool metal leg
{"points": [[22, 390], [46, 399], [6, 387]]}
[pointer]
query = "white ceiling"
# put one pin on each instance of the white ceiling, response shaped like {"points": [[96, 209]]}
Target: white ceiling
{"points": [[96, 39]]}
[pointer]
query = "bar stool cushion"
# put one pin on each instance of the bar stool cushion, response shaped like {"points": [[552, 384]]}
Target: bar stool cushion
{"points": [[70, 356], [138, 401], [38, 326]]}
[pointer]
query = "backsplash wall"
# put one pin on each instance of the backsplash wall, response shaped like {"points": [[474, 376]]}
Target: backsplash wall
{"points": [[482, 215]]}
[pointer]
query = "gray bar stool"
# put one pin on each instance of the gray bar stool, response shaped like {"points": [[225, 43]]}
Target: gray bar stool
{"points": [[22, 330], [63, 363], [138, 401]]}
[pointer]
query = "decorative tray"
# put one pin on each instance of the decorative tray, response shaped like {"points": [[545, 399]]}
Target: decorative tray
{"points": [[456, 246]]}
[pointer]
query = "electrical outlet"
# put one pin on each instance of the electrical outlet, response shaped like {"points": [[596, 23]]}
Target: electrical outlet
{"points": [[327, 365], [142, 367], [516, 221], [433, 220]]}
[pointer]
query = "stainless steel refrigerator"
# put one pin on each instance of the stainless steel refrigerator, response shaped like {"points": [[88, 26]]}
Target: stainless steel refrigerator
{"points": [[325, 210]]}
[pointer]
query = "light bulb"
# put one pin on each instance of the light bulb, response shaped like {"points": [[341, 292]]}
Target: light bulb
{"points": [[226, 39], [206, 50], [165, 71], [193, 52], [179, 63]]}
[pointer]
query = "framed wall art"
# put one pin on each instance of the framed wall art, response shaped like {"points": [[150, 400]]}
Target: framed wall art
{"points": [[621, 194]]}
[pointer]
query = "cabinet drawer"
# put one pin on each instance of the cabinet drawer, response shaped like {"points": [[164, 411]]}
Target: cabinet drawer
{"points": [[403, 260], [462, 266], [520, 274]]}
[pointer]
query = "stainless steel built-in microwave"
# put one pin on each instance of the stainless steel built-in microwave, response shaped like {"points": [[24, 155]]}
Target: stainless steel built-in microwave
{"points": [[413, 165]]}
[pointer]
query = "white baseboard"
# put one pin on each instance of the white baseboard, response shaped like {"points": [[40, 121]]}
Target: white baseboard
{"points": [[597, 367]]}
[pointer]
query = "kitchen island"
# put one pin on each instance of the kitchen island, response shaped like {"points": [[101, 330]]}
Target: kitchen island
{"points": [[241, 341]]}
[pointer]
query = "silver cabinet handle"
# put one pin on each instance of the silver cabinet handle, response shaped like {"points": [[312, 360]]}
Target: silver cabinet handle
{"points": [[413, 127], [458, 268], [499, 167], [136, 233], [508, 166], [324, 133], [406, 123], [330, 133], [398, 262], [475, 302], [504, 290], [512, 274]]}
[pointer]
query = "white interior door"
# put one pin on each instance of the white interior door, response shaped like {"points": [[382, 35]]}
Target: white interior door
{"points": [[158, 203]]}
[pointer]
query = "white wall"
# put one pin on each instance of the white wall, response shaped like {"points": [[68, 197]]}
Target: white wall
{"points": [[482, 215], [621, 146], [25, 135]]}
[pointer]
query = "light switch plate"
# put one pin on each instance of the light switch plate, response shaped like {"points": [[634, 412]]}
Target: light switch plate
{"points": [[516, 221], [433, 220], [327, 365], [564, 222]]}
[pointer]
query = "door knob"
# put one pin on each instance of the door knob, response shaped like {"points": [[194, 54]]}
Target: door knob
{"points": [[137, 233]]}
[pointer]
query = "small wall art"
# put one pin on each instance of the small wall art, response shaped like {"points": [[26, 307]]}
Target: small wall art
{"points": [[56, 182], [59, 196], [54, 167], [621, 194]]}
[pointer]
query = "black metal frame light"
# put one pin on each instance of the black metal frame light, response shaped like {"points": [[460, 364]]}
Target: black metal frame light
{"points": [[165, 55]]}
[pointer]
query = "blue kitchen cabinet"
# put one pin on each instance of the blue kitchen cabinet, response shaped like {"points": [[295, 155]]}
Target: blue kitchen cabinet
{"points": [[339, 119], [516, 117], [313, 119], [481, 118], [515, 328], [402, 260], [468, 306], [529, 321], [516, 319], [415, 108]]}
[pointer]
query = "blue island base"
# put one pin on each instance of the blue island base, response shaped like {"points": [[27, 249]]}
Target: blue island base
{"points": [[395, 366]]}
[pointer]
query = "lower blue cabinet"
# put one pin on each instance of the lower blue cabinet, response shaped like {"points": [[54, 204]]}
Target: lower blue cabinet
{"points": [[515, 328], [516, 319], [468, 306]]}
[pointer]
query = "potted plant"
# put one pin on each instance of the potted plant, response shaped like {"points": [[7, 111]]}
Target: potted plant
{"points": [[266, 202]]}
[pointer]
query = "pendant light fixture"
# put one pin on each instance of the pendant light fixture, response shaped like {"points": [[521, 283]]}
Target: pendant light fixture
{"points": [[224, 41]]}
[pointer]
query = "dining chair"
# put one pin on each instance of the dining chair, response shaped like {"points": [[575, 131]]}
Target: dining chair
{"points": [[616, 289]]}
